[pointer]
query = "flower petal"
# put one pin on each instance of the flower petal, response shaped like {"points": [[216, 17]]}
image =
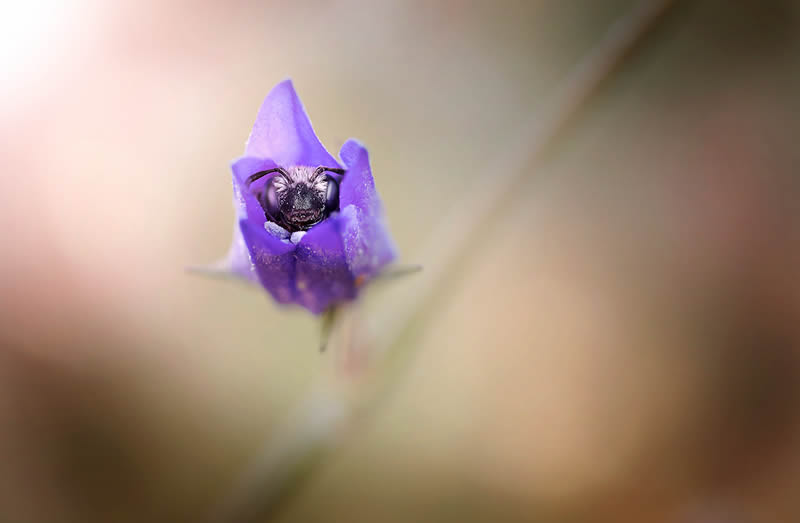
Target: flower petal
{"points": [[323, 276], [244, 166], [272, 260], [368, 245], [244, 199], [283, 132], [237, 261]]}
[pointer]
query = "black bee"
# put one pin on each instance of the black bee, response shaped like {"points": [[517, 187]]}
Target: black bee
{"points": [[299, 197]]}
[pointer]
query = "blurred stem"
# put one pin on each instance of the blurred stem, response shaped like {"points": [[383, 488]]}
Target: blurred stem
{"points": [[336, 406], [328, 318]]}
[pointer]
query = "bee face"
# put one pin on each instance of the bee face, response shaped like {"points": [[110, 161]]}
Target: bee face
{"points": [[299, 197]]}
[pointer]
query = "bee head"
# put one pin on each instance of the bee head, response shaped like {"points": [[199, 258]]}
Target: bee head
{"points": [[299, 197]]}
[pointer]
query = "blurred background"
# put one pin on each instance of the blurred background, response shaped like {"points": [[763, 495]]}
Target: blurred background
{"points": [[619, 342]]}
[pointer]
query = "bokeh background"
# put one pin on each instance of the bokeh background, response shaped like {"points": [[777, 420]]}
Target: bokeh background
{"points": [[620, 341]]}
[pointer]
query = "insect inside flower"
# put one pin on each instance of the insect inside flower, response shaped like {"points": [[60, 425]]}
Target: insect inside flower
{"points": [[309, 227], [297, 198]]}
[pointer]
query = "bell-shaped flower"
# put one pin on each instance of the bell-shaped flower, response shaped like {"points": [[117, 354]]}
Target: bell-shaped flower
{"points": [[291, 235]]}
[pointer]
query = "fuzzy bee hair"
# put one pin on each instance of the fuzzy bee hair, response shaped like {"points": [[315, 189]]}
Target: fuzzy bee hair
{"points": [[314, 178], [298, 197]]}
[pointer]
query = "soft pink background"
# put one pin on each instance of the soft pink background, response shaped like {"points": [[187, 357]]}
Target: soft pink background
{"points": [[620, 345]]}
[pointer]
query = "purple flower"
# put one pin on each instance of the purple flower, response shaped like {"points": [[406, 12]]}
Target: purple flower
{"points": [[291, 234]]}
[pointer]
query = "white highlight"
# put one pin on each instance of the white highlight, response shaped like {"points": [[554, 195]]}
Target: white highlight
{"points": [[297, 236]]}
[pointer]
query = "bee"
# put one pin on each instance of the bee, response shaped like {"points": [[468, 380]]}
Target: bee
{"points": [[298, 197]]}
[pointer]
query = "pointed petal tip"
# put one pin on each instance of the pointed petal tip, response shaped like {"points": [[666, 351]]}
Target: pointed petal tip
{"points": [[354, 142], [283, 88], [286, 82], [352, 151], [283, 131]]}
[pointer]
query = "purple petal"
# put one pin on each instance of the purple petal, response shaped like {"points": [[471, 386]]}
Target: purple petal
{"points": [[237, 261], [244, 166], [272, 260], [368, 246], [244, 199], [283, 131], [323, 275]]}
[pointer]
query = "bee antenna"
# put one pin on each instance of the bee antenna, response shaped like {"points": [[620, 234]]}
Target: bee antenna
{"points": [[261, 174], [336, 170]]}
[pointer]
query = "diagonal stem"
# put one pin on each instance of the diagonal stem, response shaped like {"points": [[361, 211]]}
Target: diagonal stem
{"points": [[450, 238], [330, 410]]}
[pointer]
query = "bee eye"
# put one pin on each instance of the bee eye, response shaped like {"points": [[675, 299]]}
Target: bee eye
{"points": [[270, 202], [332, 195]]}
